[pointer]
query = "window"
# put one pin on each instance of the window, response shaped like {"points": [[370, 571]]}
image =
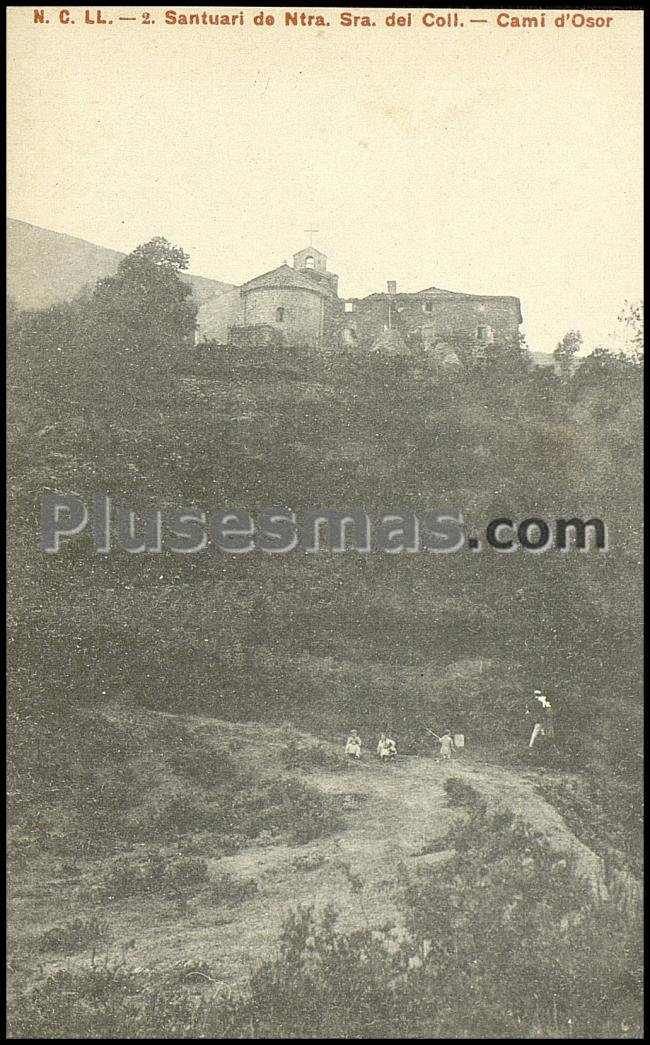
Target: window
{"points": [[279, 315], [349, 306], [427, 306], [310, 262], [484, 334]]}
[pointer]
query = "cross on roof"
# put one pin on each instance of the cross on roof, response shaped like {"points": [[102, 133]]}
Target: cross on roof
{"points": [[311, 234]]}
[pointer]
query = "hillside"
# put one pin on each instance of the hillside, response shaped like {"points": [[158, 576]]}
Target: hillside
{"points": [[46, 267], [179, 795], [350, 835]]}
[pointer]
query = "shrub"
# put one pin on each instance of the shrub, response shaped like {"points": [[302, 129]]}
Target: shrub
{"points": [[186, 875], [155, 876], [460, 794], [312, 756], [108, 1002], [74, 935], [308, 861], [183, 973], [181, 815], [496, 949], [210, 769], [288, 808], [606, 817], [229, 842], [501, 942]]}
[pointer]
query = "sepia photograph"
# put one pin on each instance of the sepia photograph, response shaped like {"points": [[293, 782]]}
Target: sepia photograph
{"points": [[324, 482]]}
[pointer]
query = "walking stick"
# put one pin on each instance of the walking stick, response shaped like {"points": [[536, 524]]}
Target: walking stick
{"points": [[432, 733]]}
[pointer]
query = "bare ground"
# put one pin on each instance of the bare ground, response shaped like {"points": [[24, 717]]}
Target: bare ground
{"points": [[404, 809]]}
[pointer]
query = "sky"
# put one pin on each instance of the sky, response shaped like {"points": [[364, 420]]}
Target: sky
{"points": [[484, 159]]}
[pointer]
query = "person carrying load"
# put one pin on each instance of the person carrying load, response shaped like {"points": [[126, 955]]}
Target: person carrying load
{"points": [[446, 742]]}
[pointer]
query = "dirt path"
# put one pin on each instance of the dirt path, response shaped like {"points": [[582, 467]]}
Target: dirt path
{"points": [[407, 805], [404, 808]]}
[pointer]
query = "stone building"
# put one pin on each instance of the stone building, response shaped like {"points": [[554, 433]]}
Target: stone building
{"points": [[432, 319], [302, 304]]}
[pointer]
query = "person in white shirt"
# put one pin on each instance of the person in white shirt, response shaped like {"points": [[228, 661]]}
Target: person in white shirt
{"points": [[543, 725], [353, 745], [386, 748]]}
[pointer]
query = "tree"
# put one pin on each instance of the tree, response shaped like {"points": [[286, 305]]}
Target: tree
{"points": [[566, 351], [146, 308], [631, 320]]}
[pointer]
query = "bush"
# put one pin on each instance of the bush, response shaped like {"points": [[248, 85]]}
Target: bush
{"points": [[210, 769], [229, 842], [460, 794], [502, 941], [182, 815], [496, 949], [308, 862], [607, 817], [154, 876], [311, 756], [75, 935], [108, 1002], [289, 809], [186, 875]]}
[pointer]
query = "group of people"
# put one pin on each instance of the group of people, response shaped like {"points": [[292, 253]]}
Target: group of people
{"points": [[386, 746], [539, 712]]}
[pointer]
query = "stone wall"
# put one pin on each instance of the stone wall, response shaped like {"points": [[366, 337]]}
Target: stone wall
{"points": [[302, 318], [434, 317], [217, 315]]}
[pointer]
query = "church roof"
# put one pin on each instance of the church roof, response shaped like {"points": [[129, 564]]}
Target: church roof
{"points": [[285, 276]]}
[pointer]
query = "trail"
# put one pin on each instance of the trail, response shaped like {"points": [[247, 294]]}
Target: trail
{"points": [[407, 806], [404, 808], [389, 814]]}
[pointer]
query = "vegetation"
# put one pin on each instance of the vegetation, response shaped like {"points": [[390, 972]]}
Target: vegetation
{"points": [[77, 934], [106, 393], [156, 875], [609, 821], [492, 944], [312, 757]]}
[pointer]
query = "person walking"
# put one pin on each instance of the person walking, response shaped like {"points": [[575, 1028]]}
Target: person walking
{"points": [[446, 744], [543, 719]]}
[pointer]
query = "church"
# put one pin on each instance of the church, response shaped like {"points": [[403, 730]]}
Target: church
{"points": [[300, 305]]}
